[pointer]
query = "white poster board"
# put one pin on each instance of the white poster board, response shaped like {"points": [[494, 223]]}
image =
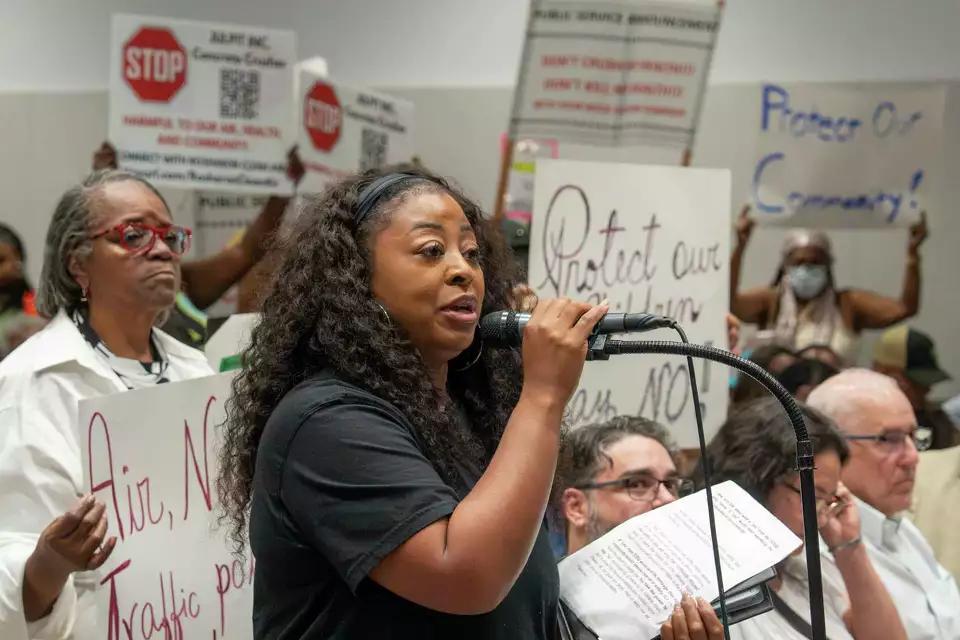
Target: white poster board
{"points": [[845, 156], [651, 240], [342, 130], [151, 456], [201, 105], [628, 72]]}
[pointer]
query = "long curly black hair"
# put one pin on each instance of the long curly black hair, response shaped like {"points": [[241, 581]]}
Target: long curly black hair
{"points": [[320, 314]]}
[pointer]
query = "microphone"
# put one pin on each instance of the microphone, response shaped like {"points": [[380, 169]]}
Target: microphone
{"points": [[505, 328]]}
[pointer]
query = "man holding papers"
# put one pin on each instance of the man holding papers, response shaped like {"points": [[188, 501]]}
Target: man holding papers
{"points": [[616, 470]]}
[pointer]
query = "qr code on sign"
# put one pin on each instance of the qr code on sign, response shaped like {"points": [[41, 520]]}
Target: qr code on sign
{"points": [[239, 93], [373, 149]]}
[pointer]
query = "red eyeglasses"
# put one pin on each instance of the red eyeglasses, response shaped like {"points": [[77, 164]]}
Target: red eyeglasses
{"points": [[137, 237]]}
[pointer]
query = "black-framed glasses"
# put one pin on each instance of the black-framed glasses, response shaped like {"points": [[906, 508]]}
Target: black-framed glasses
{"points": [[643, 486], [894, 440]]}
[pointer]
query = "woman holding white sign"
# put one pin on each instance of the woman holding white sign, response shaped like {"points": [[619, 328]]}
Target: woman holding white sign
{"points": [[394, 471], [803, 307], [110, 275]]}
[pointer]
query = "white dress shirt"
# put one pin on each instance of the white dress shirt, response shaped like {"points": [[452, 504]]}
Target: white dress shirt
{"points": [[924, 593], [41, 384], [795, 594]]}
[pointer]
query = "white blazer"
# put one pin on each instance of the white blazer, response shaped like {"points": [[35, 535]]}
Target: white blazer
{"points": [[41, 384]]}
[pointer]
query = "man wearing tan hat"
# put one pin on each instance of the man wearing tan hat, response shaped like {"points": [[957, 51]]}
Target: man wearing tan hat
{"points": [[909, 357]]}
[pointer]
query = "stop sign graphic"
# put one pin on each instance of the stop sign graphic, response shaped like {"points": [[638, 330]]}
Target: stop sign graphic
{"points": [[154, 64], [323, 116]]}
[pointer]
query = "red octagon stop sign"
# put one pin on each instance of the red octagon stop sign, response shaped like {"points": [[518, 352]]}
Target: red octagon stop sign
{"points": [[154, 64], [323, 116]]}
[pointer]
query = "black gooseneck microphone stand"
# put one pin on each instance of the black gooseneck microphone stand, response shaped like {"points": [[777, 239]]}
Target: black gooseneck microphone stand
{"points": [[601, 348]]}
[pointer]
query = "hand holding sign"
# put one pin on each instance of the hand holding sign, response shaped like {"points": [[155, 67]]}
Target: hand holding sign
{"points": [[105, 157], [918, 234], [295, 168], [744, 226]]}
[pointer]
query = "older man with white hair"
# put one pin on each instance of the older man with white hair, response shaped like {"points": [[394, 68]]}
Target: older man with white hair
{"points": [[878, 422]]}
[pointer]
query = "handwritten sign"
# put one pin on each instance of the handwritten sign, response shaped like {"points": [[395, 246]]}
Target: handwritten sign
{"points": [[150, 456], [844, 157], [615, 73], [343, 130], [200, 105], [649, 239]]}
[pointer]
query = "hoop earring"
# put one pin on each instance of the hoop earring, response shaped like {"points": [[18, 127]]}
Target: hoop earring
{"points": [[385, 314], [475, 360], [83, 294]]}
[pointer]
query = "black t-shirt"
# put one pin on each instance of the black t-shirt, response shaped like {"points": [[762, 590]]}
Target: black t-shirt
{"points": [[341, 481]]}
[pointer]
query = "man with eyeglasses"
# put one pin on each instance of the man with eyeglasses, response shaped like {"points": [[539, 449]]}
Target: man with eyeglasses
{"points": [[611, 472], [608, 473], [879, 424]]}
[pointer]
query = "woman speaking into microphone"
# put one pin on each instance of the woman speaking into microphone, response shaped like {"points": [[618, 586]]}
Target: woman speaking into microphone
{"points": [[393, 473]]}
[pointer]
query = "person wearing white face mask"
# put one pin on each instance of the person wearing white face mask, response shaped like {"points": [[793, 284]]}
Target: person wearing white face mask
{"points": [[802, 306]]}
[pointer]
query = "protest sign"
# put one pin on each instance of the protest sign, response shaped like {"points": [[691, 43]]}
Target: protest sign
{"points": [[150, 456], [343, 130], [221, 221], [518, 200], [652, 240], [850, 156], [202, 105], [629, 72]]}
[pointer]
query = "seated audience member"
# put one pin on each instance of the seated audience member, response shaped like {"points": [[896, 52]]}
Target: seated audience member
{"points": [[802, 305], [756, 448], [909, 357], [205, 280], [879, 424], [952, 408], [774, 359], [610, 472], [613, 471], [111, 272], [936, 497], [18, 314], [822, 353], [804, 375]]}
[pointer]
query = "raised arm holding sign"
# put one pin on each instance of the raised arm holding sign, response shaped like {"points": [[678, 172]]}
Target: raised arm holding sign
{"points": [[803, 307]]}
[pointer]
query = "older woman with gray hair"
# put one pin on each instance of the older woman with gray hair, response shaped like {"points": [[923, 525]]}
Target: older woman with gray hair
{"points": [[110, 275], [756, 448], [803, 307]]}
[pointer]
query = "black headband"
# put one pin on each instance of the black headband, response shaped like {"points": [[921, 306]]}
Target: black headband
{"points": [[373, 192]]}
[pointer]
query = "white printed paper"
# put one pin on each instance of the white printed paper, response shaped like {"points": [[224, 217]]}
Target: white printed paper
{"points": [[200, 105], [625, 584], [845, 156], [650, 240], [151, 456], [607, 73], [343, 130]]}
